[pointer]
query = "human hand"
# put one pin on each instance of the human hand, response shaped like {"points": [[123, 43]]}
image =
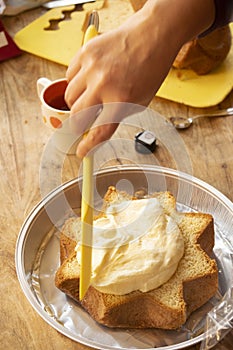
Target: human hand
{"points": [[113, 67], [125, 65]]}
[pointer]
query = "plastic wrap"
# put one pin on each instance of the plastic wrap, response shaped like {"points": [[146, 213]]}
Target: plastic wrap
{"points": [[219, 321]]}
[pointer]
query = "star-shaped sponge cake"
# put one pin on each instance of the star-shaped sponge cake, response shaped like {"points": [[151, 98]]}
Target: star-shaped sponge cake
{"points": [[193, 284]]}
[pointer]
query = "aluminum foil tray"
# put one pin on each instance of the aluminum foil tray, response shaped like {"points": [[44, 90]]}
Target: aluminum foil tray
{"points": [[37, 256]]}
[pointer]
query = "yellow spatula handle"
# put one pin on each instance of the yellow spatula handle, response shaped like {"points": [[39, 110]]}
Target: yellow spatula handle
{"points": [[86, 226], [90, 33], [86, 207]]}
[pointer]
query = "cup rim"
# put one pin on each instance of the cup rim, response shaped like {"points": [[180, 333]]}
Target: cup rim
{"points": [[44, 102]]}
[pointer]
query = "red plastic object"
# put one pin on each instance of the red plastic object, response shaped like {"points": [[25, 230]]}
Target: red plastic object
{"points": [[8, 48]]}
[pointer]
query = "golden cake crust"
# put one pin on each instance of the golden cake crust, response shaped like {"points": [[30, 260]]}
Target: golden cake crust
{"points": [[204, 54], [194, 282]]}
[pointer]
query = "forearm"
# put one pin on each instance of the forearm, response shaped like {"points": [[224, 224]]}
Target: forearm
{"points": [[182, 19], [223, 14], [158, 31]]}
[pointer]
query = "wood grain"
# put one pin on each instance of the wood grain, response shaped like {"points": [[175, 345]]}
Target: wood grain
{"points": [[209, 144]]}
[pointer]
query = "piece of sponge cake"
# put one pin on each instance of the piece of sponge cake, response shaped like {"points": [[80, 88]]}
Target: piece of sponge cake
{"points": [[168, 306]]}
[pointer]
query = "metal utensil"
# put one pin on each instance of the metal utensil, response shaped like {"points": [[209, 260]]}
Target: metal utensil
{"points": [[184, 123], [59, 3], [93, 20]]}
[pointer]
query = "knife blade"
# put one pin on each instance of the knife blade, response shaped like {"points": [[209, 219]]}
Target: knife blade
{"points": [[87, 197], [59, 3]]}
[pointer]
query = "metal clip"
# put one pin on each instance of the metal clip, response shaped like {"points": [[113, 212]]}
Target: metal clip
{"points": [[93, 20]]}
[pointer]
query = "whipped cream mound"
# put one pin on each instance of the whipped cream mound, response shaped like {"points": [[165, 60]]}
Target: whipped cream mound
{"points": [[136, 246]]}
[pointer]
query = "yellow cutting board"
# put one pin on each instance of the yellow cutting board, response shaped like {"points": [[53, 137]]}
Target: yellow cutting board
{"points": [[184, 86], [58, 45], [61, 45]]}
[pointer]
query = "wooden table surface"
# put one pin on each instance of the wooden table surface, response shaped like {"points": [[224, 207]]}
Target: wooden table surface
{"points": [[23, 139]]}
